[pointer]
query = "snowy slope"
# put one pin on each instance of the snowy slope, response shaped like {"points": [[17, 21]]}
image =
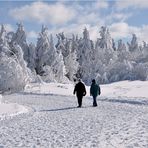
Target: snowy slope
{"points": [[122, 88], [119, 121], [126, 88]]}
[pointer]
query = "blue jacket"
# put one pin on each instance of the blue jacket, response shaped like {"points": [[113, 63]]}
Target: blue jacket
{"points": [[95, 90]]}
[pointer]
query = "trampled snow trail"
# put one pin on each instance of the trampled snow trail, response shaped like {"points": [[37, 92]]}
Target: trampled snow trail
{"points": [[55, 122]]}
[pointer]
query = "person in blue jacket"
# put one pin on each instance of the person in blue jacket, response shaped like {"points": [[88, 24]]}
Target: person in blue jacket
{"points": [[94, 91]]}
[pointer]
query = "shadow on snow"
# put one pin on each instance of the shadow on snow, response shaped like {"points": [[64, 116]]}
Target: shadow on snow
{"points": [[126, 101], [58, 109]]}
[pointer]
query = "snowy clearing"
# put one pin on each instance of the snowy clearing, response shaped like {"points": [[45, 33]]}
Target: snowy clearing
{"points": [[119, 121]]}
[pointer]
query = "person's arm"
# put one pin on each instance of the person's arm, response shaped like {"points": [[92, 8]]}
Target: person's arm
{"points": [[84, 91], [74, 90], [99, 90], [90, 91]]}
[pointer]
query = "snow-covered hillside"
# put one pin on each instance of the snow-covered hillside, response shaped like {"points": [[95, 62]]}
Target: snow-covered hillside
{"points": [[53, 120]]}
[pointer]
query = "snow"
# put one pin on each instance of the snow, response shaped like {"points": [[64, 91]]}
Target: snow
{"points": [[7, 110], [126, 89], [119, 121], [117, 89], [10, 109]]}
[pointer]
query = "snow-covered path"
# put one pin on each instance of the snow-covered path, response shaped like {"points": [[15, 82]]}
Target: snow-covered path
{"points": [[55, 122]]}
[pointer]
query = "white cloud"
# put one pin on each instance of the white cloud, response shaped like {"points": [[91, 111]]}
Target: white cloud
{"points": [[60, 14], [91, 18], [42, 12], [132, 4], [119, 30], [9, 27], [123, 30], [101, 4], [77, 30], [143, 33], [32, 34], [116, 16]]}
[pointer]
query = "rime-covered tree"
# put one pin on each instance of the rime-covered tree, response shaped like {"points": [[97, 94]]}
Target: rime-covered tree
{"points": [[85, 57], [104, 55], [20, 38], [135, 52], [58, 68], [48, 61], [51, 52], [134, 43], [61, 44], [3, 39], [68, 49], [105, 42], [41, 50], [32, 57], [13, 71], [122, 53], [70, 61]]}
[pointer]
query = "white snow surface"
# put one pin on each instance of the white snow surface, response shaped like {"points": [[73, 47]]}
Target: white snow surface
{"points": [[126, 89], [10, 109], [53, 121]]}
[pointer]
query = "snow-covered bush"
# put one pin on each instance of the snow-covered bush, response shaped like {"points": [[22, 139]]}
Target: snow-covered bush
{"points": [[12, 76], [139, 72], [48, 75], [13, 70]]}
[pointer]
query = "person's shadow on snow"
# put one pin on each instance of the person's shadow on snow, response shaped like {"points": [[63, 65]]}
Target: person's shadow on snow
{"points": [[58, 109]]}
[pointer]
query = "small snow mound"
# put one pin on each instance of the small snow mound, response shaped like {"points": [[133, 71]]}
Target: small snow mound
{"points": [[11, 109]]}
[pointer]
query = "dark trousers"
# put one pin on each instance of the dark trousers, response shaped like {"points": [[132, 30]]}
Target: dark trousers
{"points": [[94, 101], [79, 97]]}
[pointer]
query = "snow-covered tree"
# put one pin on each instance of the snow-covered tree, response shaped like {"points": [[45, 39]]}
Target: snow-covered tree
{"points": [[71, 64], [134, 43], [41, 50], [49, 62], [58, 68], [122, 53], [72, 57], [105, 42], [51, 53], [12, 77], [69, 51], [85, 57], [20, 38], [61, 44], [13, 70], [3, 39], [104, 55], [32, 57]]}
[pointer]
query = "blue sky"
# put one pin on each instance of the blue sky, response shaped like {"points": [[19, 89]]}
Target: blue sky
{"points": [[122, 17]]}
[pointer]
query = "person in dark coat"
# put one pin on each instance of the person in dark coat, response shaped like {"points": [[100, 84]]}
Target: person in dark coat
{"points": [[80, 91], [94, 91]]}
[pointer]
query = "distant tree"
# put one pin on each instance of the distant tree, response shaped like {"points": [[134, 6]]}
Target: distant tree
{"points": [[42, 48], [32, 57]]}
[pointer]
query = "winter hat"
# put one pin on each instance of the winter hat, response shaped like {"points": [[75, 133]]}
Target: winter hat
{"points": [[93, 81]]}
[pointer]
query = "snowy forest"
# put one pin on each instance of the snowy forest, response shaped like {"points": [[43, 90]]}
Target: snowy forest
{"points": [[69, 58]]}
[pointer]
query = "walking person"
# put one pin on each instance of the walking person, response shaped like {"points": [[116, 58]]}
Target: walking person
{"points": [[80, 91], [94, 91]]}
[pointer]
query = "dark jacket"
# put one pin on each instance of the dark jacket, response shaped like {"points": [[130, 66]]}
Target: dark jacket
{"points": [[80, 89], [95, 90]]}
